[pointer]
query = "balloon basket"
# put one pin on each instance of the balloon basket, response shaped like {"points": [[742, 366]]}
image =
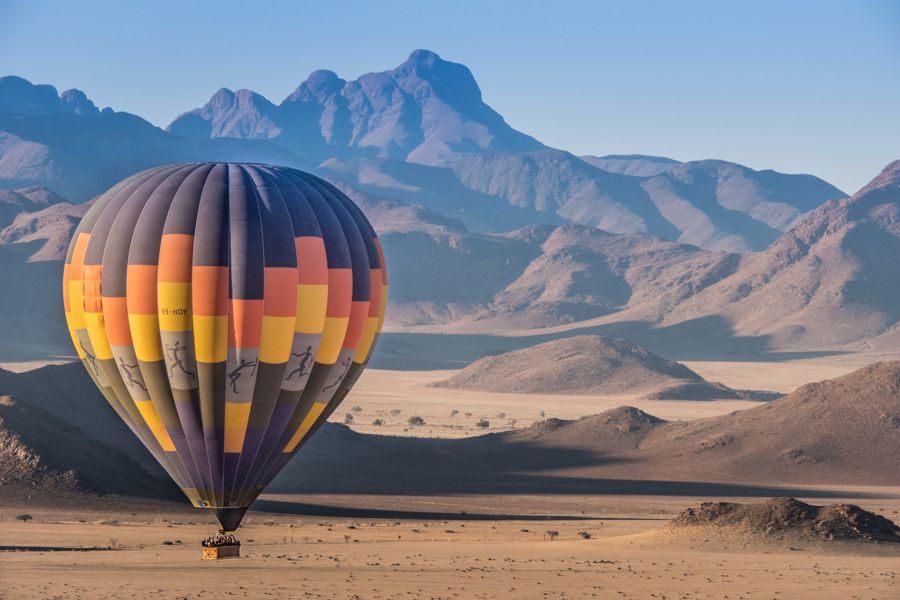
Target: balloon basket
{"points": [[220, 546]]}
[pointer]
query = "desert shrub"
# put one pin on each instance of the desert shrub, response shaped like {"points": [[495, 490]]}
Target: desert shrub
{"points": [[552, 535], [543, 414], [356, 409], [416, 421], [501, 415], [454, 412], [395, 412], [483, 424], [585, 535], [348, 418], [24, 517], [378, 422]]}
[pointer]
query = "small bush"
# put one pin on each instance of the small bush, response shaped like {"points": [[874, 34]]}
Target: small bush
{"points": [[454, 412], [356, 409], [543, 414], [483, 424], [501, 415], [585, 535], [395, 412], [552, 535], [348, 418], [468, 414], [24, 518], [378, 422], [416, 421]]}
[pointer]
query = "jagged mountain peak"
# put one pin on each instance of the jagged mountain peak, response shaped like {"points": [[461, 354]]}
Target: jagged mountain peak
{"points": [[320, 85], [423, 57], [449, 77], [79, 102], [426, 110], [888, 178], [18, 95]]}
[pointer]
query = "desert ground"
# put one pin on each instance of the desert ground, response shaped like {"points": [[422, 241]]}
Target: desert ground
{"points": [[430, 552], [457, 546]]}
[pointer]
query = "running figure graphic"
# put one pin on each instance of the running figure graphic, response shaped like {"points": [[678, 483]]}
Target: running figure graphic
{"points": [[126, 371], [301, 369], [346, 364], [176, 354], [91, 359], [237, 372]]}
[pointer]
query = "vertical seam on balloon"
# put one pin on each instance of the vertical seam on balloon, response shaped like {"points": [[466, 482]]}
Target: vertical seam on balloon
{"points": [[250, 480], [185, 467], [194, 393], [199, 486], [252, 197]]}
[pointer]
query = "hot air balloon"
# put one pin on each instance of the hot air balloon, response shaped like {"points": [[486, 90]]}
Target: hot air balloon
{"points": [[224, 310]]}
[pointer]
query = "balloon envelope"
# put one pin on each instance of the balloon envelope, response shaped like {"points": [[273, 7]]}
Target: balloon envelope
{"points": [[224, 310]]}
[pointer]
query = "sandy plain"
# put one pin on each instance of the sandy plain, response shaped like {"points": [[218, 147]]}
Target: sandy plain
{"points": [[494, 546], [484, 553], [379, 392]]}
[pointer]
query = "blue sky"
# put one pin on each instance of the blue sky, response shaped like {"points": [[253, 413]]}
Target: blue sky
{"points": [[795, 86]]}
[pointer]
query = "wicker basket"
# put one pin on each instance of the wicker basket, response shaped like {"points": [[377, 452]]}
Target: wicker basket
{"points": [[220, 552]]}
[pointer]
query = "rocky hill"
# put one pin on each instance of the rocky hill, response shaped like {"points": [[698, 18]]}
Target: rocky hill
{"points": [[587, 364], [788, 518]]}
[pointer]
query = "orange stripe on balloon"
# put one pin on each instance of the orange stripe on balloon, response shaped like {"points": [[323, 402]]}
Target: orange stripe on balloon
{"points": [[81, 244], [340, 292], [280, 291], [115, 315], [375, 293], [176, 252], [245, 323], [312, 265], [93, 303], [358, 313], [140, 288], [209, 286]]}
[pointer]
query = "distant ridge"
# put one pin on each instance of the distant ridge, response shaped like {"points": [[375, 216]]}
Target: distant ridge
{"points": [[637, 165]]}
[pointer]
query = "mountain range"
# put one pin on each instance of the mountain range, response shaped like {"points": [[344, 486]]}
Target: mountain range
{"points": [[420, 132], [487, 230]]}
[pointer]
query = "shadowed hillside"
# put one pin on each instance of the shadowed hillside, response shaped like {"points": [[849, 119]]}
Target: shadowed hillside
{"points": [[811, 436], [41, 454]]}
